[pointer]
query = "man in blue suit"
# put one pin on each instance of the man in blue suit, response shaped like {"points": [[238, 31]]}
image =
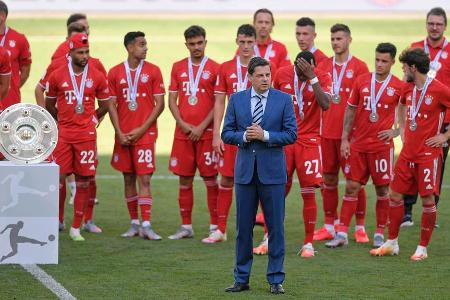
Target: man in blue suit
{"points": [[260, 121]]}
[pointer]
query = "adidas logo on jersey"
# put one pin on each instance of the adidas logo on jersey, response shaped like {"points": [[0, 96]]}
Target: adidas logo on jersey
{"points": [[65, 84], [183, 74], [92, 168], [429, 187], [288, 86], [365, 90], [318, 175], [233, 76], [385, 176], [123, 81]]}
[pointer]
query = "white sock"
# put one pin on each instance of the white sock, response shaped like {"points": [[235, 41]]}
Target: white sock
{"points": [[146, 224], [336, 222], [343, 234], [213, 227], [135, 221], [74, 231], [360, 227], [187, 226]]}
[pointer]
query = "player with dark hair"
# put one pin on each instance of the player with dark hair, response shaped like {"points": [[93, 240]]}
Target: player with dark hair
{"points": [[423, 104], [232, 78], [77, 18], [370, 115], [310, 89], [437, 47], [345, 68], [191, 102], [305, 33], [137, 91]]}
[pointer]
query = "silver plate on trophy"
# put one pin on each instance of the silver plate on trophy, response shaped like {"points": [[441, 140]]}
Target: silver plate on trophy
{"points": [[28, 133]]}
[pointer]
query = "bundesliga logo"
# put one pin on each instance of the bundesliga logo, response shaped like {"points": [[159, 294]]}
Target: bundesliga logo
{"points": [[144, 78]]}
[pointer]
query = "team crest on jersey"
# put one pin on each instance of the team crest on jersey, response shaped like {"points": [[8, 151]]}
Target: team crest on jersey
{"points": [[232, 76], [310, 88], [89, 83], [349, 74], [12, 43], [206, 75], [288, 86], [144, 78], [173, 161], [390, 91], [444, 54], [428, 100]]}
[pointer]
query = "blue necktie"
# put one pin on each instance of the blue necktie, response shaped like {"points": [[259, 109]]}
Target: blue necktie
{"points": [[258, 112]]}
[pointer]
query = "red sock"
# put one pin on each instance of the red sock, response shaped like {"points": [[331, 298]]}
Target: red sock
{"points": [[288, 186], [330, 202], [145, 203], [224, 200], [186, 202], [211, 195], [360, 213], [382, 213], [428, 222], [396, 211], [132, 204], [91, 203], [348, 209], [309, 213], [62, 200], [80, 202]]}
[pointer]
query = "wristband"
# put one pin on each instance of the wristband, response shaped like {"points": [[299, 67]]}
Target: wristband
{"points": [[313, 81]]}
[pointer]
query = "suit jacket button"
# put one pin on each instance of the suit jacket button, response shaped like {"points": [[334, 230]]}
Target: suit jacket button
{"points": [[254, 151]]}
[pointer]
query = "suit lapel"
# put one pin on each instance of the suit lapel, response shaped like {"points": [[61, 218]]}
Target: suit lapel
{"points": [[247, 106], [268, 109]]}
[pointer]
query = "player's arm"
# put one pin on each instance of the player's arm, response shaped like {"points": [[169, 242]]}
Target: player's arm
{"points": [[6, 228], [114, 117], [349, 117], [39, 95], [102, 109], [219, 110], [136, 133], [197, 131], [401, 119], [50, 105], [323, 99], [4, 85], [24, 74], [185, 127]]}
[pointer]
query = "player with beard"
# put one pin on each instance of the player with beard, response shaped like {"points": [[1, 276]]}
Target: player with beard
{"points": [[344, 69], [72, 90], [370, 115], [423, 104], [191, 101], [137, 91], [437, 47], [310, 89]]}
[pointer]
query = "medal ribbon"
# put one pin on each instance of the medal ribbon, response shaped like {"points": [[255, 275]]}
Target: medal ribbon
{"points": [[2, 42], [415, 110], [133, 85], [434, 63], [313, 49], [268, 51], [79, 93], [337, 81], [374, 99], [299, 92], [193, 84], [242, 85]]}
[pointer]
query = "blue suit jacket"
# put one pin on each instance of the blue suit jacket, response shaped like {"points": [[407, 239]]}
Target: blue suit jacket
{"points": [[278, 120]]}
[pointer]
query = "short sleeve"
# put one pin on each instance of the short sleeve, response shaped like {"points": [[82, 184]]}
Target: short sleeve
{"points": [[284, 57], [221, 81], [52, 86], [102, 90], [112, 82], [25, 53], [173, 87], [354, 98], [158, 82]]}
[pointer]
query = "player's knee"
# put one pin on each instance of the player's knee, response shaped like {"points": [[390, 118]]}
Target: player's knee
{"points": [[382, 191], [395, 197], [428, 200], [330, 179], [352, 188], [186, 180], [144, 180], [226, 181]]}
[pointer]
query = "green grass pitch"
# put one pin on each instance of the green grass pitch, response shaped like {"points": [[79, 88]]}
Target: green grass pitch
{"points": [[109, 267]]}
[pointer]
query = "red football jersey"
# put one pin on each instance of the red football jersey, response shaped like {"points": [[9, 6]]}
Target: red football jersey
{"points": [[333, 118], [19, 51], [227, 78], [57, 63], [429, 121], [308, 129], [150, 84], [5, 63], [194, 113], [443, 74], [278, 56], [62, 50], [319, 56], [74, 127], [365, 133]]}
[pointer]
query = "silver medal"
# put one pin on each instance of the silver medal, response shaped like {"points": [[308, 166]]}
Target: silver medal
{"points": [[132, 106], [193, 100], [79, 109], [336, 99], [413, 125], [373, 117]]}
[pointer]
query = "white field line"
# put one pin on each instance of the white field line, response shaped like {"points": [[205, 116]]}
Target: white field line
{"points": [[173, 177], [49, 282]]}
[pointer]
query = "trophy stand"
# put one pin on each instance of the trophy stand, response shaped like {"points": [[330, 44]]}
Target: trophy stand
{"points": [[29, 187]]}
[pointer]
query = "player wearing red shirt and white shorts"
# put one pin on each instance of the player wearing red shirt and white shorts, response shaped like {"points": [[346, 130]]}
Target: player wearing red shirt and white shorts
{"points": [[344, 69], [437, 47], [232, 78], [72, 90], [423, 104], [5, 74], [137, 90], [370, 115], [311, 92], [191, 101]]}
